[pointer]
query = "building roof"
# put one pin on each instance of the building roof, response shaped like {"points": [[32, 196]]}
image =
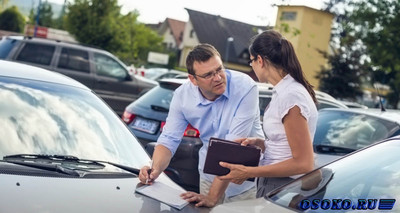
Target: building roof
{"points": [[216, 30], [177, 27]]}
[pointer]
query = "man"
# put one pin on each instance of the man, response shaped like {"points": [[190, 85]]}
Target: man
{"points": [[219, 103]]}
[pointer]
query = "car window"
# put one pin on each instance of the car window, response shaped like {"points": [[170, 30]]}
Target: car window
{"points": [[6, 45], [350, 130], [158, 96], [107, 66], [36, 53], [73, 59]]}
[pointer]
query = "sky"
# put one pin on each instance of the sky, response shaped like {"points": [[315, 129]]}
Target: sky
{"points": [[255, 12]]}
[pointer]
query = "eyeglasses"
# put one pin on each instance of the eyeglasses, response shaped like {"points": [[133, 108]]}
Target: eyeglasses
{"points": [[211, 74], [251, 61]]}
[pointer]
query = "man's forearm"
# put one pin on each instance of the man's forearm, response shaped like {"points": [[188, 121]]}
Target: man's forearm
{"points": [[217, 189], [161, 157]]}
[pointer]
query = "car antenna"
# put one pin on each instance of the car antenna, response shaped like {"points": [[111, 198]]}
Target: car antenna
{"points": [[380, 99]]}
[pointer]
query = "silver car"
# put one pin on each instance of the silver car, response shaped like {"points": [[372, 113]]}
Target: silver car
{"points": [[368, 180], [63, 149]]}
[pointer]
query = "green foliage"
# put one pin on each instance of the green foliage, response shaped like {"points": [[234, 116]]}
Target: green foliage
{"points": [[343, 78], [12, 20], [139, 40], [286, 29], [45, 15], [377, 24], [99, 23]]}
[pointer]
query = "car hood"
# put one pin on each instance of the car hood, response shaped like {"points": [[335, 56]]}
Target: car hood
{"points": [[54, 194], [250, 206]]}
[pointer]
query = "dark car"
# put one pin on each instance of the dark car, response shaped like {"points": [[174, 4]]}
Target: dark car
{"points": [[341, 131], [157, 74], [63, 149], [367, 180], [146, 117], [97, 69]]}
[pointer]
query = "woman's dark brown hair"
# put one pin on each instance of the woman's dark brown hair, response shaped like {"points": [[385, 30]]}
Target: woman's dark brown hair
{"points": [[272, 46]]}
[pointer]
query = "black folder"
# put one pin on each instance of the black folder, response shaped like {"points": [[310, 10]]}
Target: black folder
{"points": [[230, 152]]}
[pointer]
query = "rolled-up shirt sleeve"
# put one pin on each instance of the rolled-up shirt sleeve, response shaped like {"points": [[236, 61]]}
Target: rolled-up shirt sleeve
{"points": [[247, 116], [175, 126]]}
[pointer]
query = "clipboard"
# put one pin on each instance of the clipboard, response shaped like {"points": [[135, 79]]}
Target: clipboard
{"points": [[164, 194], [230, 152]]}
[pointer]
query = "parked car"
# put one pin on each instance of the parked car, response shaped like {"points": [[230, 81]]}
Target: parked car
{"points": [[367, 179], [352, 104], [146, 117], [157, 74], [63, 149], [341, 131], [97, 69]]}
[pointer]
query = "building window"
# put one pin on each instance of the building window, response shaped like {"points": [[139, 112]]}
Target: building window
{"points": [[191, 33], [288, 16]]}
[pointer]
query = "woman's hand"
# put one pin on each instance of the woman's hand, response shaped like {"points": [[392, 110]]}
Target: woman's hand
{"points": [[252, 141], [238, 173]]}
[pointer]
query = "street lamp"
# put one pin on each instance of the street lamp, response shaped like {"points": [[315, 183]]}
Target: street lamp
{"points": [[229, 40]]}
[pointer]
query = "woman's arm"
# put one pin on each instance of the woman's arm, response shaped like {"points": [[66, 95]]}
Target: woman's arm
{"points": [[300, 143]]}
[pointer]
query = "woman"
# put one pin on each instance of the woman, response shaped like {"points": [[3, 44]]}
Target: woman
{"points": [[289, 120]]}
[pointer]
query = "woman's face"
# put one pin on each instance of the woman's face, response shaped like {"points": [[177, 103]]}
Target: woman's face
{"points": [[256, 63]]}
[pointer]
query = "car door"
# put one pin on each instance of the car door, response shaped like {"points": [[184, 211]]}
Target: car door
{"points": [[113, 83], [75, 63]]}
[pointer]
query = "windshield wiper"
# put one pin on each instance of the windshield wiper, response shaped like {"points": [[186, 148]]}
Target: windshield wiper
{"points": [[45, 166], [38, 159], [333, 149]]}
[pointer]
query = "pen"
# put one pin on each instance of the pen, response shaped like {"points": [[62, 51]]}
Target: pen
{"points": [[149, 171]]}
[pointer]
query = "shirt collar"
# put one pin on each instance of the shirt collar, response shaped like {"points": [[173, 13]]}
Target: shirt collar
{"points": [[283, 84]]}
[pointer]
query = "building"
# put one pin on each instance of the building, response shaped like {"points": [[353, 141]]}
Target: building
{"points": [[172, 32], [309, 31], [231, 38]]}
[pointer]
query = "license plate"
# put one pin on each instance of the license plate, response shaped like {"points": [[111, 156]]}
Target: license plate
{"points": [[145, 125]]}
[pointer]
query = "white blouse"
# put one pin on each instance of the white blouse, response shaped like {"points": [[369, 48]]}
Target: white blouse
{"points": [[286, 94]]}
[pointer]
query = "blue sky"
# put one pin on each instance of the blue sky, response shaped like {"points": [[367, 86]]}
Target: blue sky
{"points": [[256, 12]]}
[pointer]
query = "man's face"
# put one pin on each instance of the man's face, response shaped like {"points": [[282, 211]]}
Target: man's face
{"points": [[209, 77]]}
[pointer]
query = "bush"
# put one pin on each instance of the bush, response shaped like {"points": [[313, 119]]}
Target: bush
{"points": [[12, 20]]}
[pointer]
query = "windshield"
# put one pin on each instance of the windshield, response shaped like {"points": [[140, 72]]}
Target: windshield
{"points": [[350, 130], [52, 119], [6, 44], [158, 96], [353, 178]]}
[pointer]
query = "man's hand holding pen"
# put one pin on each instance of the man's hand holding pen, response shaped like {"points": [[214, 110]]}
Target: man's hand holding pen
{"points": [[147, 174]]}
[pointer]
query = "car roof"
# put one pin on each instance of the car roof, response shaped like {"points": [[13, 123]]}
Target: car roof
{"points": [[389, 114], [23, 71], [57, 42]]}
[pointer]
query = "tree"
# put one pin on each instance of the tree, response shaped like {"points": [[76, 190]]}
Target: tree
{"points": [[343, 79], [12, 20], [377, 24], [96, 22], [45, 15], [348, 65], [140, 39], [99, 23]]}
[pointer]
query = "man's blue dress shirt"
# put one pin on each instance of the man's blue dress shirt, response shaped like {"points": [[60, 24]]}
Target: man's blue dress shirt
{"points": [[235, 114]]}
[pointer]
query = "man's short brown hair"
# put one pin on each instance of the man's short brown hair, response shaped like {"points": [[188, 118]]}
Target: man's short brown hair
{"points": [[200, 53]]}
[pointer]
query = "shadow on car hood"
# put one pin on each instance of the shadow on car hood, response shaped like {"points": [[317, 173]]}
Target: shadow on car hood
{"points": [[49, 194]]}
